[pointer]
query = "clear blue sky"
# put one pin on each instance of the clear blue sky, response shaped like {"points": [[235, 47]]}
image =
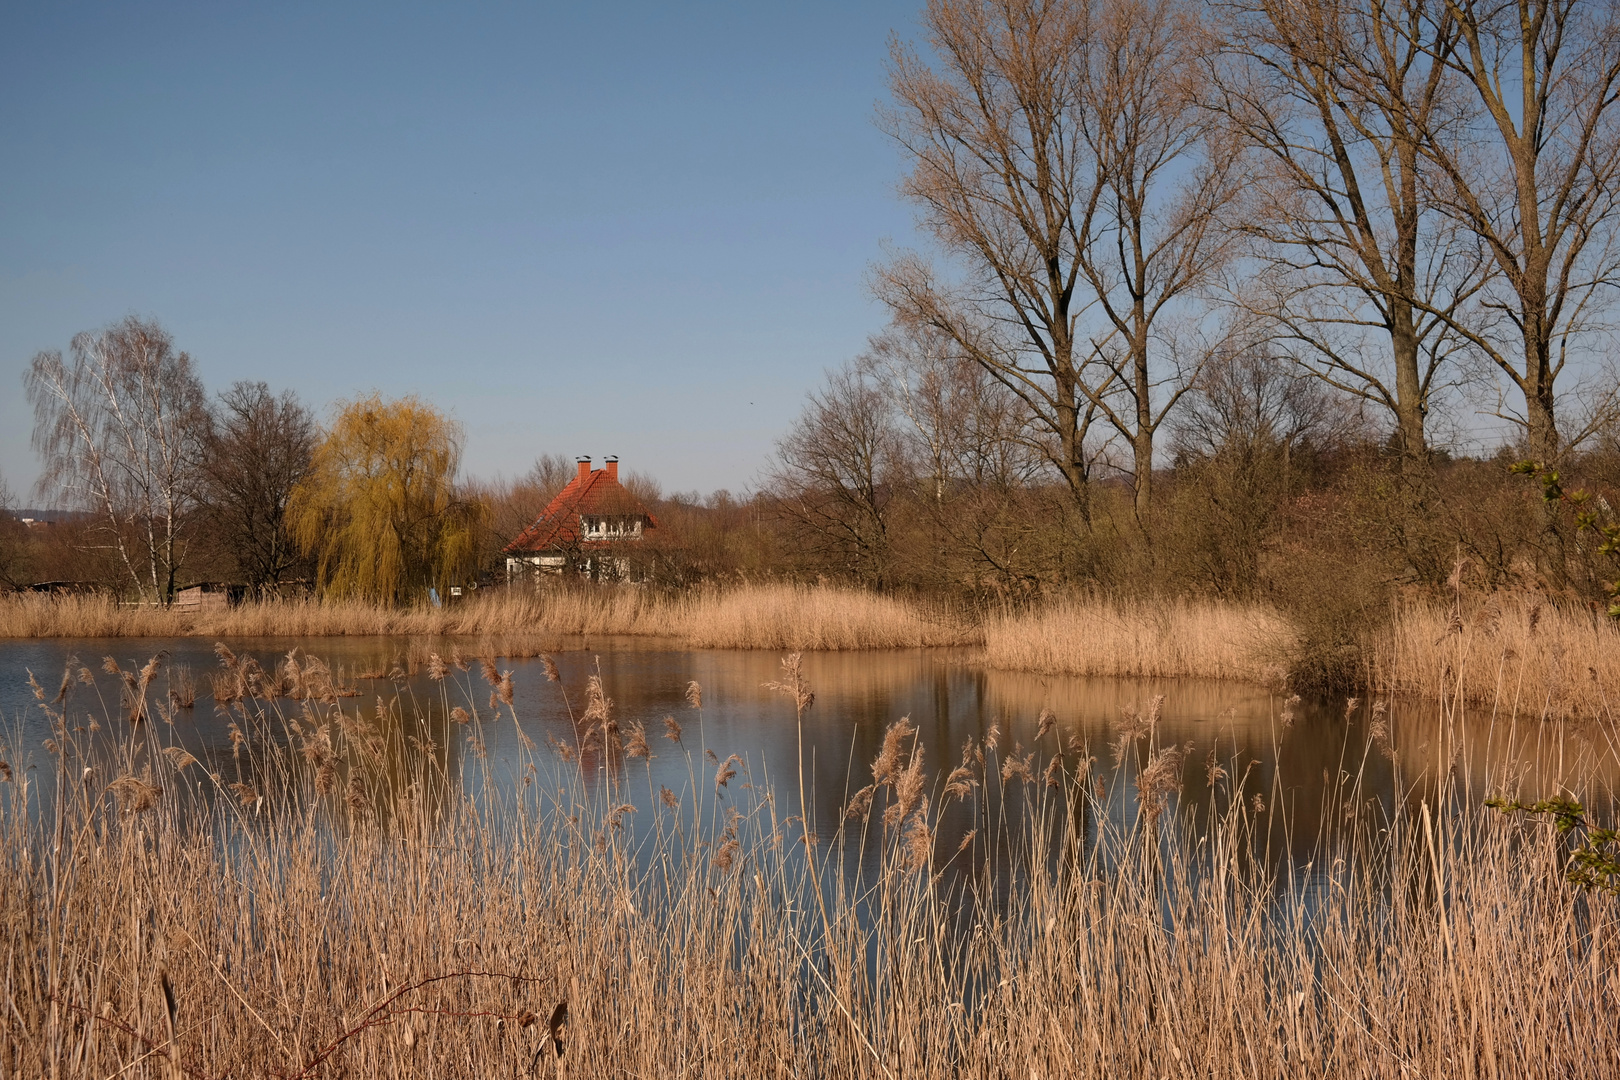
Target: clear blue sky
{"points": [[628, 228]]}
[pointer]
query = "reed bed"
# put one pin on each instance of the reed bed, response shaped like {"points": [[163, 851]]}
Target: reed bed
{"points": [[337, 897], [1110, 636], [1532, 656], [765, 616]]}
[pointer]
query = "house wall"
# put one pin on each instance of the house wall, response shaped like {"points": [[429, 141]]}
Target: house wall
{"points": [[197, 598], [530, 566]]}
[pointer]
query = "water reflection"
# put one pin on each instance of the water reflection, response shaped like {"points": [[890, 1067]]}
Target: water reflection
{"points": [[1293, 762]]}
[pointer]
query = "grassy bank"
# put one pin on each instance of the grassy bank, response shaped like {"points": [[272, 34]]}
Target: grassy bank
{"points": [[1533, 657], [748, 617], [342, 907]]}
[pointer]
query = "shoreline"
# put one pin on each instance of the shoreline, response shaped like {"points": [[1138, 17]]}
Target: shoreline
{"points": [[1552, 660]]}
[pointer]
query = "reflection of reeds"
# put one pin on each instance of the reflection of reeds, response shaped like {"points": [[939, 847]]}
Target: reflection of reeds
{"points": [[301, 924]]}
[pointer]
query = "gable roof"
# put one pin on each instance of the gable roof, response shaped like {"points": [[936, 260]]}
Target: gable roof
{"points": [[594, 494]]}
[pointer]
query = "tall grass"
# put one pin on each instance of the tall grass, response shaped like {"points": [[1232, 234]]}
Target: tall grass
{"points": [[340, 898], [1532, 656], [768, 616], [1102, 635]]}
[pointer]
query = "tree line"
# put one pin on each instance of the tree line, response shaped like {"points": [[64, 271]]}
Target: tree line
{"points": [[167, 486], [1402, 199], [1211, 292], [1210, 297], [160, 486]]}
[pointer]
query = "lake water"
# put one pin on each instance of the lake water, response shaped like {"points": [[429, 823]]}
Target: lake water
{"points": [[1288, 755]]}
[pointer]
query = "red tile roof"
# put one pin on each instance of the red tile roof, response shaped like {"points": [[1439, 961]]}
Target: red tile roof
{"points": [[595, 495]]}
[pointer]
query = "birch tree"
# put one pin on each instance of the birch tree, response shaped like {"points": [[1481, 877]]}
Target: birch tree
{"points": [[118, 424]]}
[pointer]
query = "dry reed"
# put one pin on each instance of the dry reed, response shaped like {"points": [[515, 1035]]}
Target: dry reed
{"points": [[772, 616], [1107, 636], [416, 929], [1534, 657]]}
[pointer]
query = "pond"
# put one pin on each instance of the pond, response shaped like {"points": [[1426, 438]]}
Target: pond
{"points": [[1294, 760]]}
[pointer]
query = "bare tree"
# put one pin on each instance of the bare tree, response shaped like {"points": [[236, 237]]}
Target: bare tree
{"points": [[1364, 278], [1059, 155], [964, 427], [1532, 168], [978, 512], [255, 450], [837, 471], [1248, 404], [1238, 448], [514, 505], [118, 426]]}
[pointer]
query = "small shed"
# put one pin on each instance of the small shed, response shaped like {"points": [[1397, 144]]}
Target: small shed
{"points": [[208, 596]]}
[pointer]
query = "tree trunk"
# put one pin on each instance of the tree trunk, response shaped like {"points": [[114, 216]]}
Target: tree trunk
{"points": [[1411, 411], [1142, 437], [1142, 452], [1414, 468], [1541, 441], [1071, 441]]}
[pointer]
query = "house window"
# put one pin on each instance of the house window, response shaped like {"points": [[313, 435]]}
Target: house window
{"points": [[602, 528]]}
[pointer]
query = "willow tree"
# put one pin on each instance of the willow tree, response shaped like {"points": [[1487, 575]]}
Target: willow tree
{"points": [[379, 508]]}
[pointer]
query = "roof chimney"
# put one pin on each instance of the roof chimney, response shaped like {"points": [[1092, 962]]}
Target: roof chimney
{"points": [[584, 468], [612, 463]]}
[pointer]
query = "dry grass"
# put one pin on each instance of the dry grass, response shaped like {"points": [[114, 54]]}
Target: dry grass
{"points": [[1084, 636], [1139, 638], [776, 616], [1533, 657], [343, 908]]}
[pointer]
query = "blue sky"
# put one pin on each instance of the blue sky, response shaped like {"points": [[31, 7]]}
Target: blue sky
{"points": [[640, 229]]}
